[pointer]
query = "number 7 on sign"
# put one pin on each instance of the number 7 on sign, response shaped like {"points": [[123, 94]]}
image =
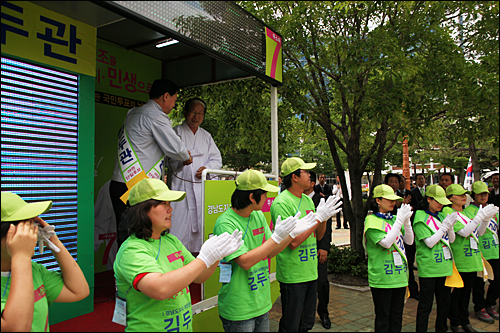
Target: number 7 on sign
{"points": [[276, 54], [112, 237]]}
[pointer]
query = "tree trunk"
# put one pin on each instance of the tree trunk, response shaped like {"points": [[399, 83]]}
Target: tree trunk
{"points": [[356, 220], [357, 212], [461, 176], [475, 161]]}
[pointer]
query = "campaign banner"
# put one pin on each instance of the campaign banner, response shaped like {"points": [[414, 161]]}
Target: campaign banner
{"points": [[122, 81], [274, 55], [38, 34]]}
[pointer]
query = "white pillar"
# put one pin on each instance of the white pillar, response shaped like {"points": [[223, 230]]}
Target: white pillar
{"points": [[274, 131]]}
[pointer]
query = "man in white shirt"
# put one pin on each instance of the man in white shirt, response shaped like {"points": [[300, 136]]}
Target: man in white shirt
{"points": [[187, 178], [149, 133]]}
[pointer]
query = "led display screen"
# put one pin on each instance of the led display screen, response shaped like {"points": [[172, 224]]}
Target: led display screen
{"points": [[39, 149], [219, 25]]}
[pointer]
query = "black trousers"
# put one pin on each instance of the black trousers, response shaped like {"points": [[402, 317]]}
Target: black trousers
{"points": [[389, 304], [338, 217], [323, 290], [478, 289], [298, 306], [410, 255], [459, 301], [428, 288], [116, 190]]}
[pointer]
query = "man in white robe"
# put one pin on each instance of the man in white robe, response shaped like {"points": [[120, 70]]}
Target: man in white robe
{"points": [[206, 155]]}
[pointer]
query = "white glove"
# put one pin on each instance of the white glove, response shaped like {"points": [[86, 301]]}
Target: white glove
{"points": [[486, 213], [449, 221], [43, 236], [304, 224], [329, 208], [283, 228], [404, 214], [218, 247], [335, 189]]}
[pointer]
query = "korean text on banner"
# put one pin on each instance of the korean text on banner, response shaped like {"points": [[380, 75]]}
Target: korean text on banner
{"points": [[38, 34]]}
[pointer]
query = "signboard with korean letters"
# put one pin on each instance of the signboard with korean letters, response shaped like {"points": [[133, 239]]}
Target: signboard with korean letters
{"points": [[38, 34], [123, 79]]}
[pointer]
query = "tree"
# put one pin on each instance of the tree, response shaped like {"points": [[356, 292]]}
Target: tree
{"points": [[470, 127], [364, 70], [238, 118]]}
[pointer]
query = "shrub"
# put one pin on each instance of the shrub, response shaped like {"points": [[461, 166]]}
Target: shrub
{"points": [[343, 260]]}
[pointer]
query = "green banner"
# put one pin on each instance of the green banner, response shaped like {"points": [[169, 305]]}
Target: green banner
{"points": [[217, 200], [123, 78]]}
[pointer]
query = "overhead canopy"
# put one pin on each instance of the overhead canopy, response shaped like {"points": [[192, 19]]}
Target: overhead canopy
{"points": [[218, 40]]}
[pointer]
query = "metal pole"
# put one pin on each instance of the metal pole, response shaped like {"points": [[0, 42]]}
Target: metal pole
{"points": [[274, 131]]}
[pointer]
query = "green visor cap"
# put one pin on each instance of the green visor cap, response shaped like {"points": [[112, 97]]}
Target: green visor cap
{"points": [[14, 208], [480, 187], [437, 193], [149, 188], [386, 192], [456, 189], [295, 163], [253, 180]]}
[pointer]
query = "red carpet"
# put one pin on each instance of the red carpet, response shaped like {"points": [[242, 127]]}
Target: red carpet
{"points": [[99, 320]]}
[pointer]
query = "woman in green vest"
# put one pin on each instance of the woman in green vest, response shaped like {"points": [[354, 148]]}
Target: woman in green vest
{"points": [[387, 266], [153, 269], [434, 258], [488, 244], [466, 254]]}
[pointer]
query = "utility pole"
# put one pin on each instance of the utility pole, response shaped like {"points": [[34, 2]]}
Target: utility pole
{"points": [[406, 163]]}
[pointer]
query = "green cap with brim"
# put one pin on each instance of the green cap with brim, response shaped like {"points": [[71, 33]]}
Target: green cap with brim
{"points": [[456, 189], [254, 180], [386, 192], [437, 193], [295, 163], [14, 208], [479, 187], [149, 188]]}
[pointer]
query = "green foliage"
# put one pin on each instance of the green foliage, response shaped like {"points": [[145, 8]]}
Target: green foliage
{"points": [[344, 260], [370, 73], [239, 120]]}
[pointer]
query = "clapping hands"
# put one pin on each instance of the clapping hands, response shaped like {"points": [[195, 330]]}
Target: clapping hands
{"points": [[284, 228], [328, 208], [304, 224], [449, 221], [218, 247], [487, 212], [404, 214]]}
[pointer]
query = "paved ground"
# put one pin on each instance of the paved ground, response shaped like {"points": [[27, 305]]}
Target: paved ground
{"points": [[351, 308]]}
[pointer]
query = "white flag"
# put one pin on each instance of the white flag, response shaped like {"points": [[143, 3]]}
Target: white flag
{"points": [[469, 176]]}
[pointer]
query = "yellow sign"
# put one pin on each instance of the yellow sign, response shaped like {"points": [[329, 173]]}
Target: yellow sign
{"points": [[35, 33], [274, 56]]}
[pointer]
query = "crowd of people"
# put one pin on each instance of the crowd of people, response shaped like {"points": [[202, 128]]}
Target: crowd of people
{"points": [[455, 247], [162, 250]]}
